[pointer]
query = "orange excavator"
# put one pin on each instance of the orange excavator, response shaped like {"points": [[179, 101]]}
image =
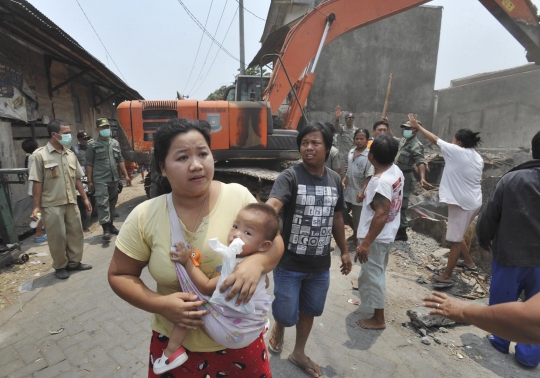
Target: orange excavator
{"points": [[246, 129]]}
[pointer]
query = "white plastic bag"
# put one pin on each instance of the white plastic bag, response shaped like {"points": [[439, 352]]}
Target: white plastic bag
{"points": [[228, 263]]}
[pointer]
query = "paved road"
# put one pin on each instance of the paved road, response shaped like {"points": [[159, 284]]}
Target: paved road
{"points": [[103, 336]]}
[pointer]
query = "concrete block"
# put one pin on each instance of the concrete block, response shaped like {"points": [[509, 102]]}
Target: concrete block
{"points": [[440, 253], [420, 316], [430, 227]]}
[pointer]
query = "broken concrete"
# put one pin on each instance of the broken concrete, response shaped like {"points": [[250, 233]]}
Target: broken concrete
{"points": [[440, 253], [421, 318]]}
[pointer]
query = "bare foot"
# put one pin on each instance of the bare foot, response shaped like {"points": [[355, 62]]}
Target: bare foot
{"points": [[275, 340], [437, 279], [371, 324], [305, 363]]}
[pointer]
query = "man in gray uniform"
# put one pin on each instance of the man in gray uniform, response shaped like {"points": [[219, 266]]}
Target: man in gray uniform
{"points": [[80, 148], [345, 137], [103, 162], [410, 152]]}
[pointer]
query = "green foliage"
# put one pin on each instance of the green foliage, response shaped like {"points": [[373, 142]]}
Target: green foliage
{"points": [[217, 94], [256, 71]]}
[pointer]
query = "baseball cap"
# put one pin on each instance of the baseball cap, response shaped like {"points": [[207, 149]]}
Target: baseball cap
{"points": [[349, 115], [82, 134], [100, 122]]}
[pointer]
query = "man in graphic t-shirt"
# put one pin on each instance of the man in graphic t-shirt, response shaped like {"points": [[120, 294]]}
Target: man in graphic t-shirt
{"points": [[311, 197], [379, 224]]}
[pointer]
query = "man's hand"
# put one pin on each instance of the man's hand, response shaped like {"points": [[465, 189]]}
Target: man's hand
{"points": [[346, 264], [344, 183], [412, 121], [90, 186], [444, 305], [338, 112], [360, 196], [33, 216], [128, 180], [362, 253], [385, 119], [88, 206], [426, 184], [182, 254]]}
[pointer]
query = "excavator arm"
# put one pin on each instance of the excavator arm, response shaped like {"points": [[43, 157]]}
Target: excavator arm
{"points": [[318, 28]]}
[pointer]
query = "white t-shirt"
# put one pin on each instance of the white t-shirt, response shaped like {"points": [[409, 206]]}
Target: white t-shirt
{"points": [[462, 174], [390, 185]]}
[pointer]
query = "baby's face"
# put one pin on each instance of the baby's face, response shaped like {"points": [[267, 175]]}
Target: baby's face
{"points": [[249, 227]]}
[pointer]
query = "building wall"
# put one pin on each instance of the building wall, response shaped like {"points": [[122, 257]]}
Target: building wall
{"points": [[503, 106], [353, 70]]}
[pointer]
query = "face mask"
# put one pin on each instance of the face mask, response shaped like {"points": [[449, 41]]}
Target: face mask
{"points": [[407, 134], [66, 139], [105, 133]]}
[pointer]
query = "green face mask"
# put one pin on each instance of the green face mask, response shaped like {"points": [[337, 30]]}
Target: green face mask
{"points": [[407, 134], [105, 133], [66, 139]]}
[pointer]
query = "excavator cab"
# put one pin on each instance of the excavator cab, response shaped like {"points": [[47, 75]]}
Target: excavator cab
{"points": [[246, 88]]}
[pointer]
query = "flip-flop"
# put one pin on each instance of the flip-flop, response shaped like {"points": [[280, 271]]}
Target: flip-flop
{"points": [[304, 368], [273, 349], [461, 264], [440, 284]]}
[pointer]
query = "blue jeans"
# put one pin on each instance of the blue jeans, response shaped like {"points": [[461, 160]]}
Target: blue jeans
{"points": [[507, 282], [298, 292]]}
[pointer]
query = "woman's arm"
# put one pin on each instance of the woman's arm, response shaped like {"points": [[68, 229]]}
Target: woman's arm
{"points": [[124, 278], [428, 134]]}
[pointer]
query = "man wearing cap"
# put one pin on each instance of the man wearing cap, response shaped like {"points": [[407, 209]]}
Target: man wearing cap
{"points": [[80, 148], [56, 176], [410, 152], [345, 137], [103, 161]]}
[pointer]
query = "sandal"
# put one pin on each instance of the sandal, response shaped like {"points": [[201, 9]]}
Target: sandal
{"points": [[441, 284], [164, 363], [310, 366], [461, 264]]}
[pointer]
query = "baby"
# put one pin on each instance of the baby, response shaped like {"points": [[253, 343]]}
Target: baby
{"points": [[256, 225]]}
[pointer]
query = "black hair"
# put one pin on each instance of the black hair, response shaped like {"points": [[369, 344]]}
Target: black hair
{"points": [[331, 127], [29, 145], [468, 138], [168, 131], [535, 146], [54, 126], [384, 149], [380, 122], [312, 127], [272, 223], [358, 131]]}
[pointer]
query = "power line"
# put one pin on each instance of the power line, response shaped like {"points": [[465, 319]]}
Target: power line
{"points": [[247, 10], [198, 48], [206, 31], [210, 68], [210, 48], [101, 41]]}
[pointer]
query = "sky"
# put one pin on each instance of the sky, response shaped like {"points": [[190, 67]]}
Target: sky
{"points": [[156, 47]]}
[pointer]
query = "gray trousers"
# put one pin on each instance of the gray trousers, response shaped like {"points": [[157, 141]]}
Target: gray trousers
{"points": [[106, 194]]}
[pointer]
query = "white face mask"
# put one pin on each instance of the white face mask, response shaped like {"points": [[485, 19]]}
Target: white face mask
{"points": [[65, 139]]}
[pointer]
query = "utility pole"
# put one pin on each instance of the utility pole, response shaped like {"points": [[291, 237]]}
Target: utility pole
{"points": [[242, 53]]}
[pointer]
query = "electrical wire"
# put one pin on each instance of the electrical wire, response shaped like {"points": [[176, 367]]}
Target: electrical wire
{"points": [[206, 31], [101, 41], [247, 10], [210, 68], [210, 48], [198, 48]]}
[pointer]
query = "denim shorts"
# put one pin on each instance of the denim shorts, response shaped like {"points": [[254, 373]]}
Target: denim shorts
{"points": [[298, 292]]}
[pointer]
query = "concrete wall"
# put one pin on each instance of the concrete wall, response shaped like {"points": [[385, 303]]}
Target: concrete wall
{"points": [[353, 70], [504, 106]]}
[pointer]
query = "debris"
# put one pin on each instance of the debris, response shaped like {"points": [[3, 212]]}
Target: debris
{"points": [[42, 254], [422, 318], [26, 287], [8, 301], [36, 275], [459, 356], [422, 331], [354, 285], [422, 280], [443, 330], [35, 262], [56, 332], [352, 301], [425, 340], [468, 347], [437, 340], [440, 253], [431, 267]]}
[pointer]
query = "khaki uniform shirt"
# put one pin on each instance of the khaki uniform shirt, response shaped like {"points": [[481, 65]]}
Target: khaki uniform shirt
{"points": [[333, 159], [104, 155], [345, 141], [58, 173], [410, 152]]}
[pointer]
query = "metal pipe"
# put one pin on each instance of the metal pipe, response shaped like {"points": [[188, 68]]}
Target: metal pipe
{"points": [[329, 19]]}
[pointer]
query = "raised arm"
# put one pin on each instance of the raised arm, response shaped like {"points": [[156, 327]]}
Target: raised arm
{"points": [[428, 134], [338, 112]]}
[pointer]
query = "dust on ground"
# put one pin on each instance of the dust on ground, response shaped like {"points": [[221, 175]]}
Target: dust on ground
{"points": [[39, 262]]}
